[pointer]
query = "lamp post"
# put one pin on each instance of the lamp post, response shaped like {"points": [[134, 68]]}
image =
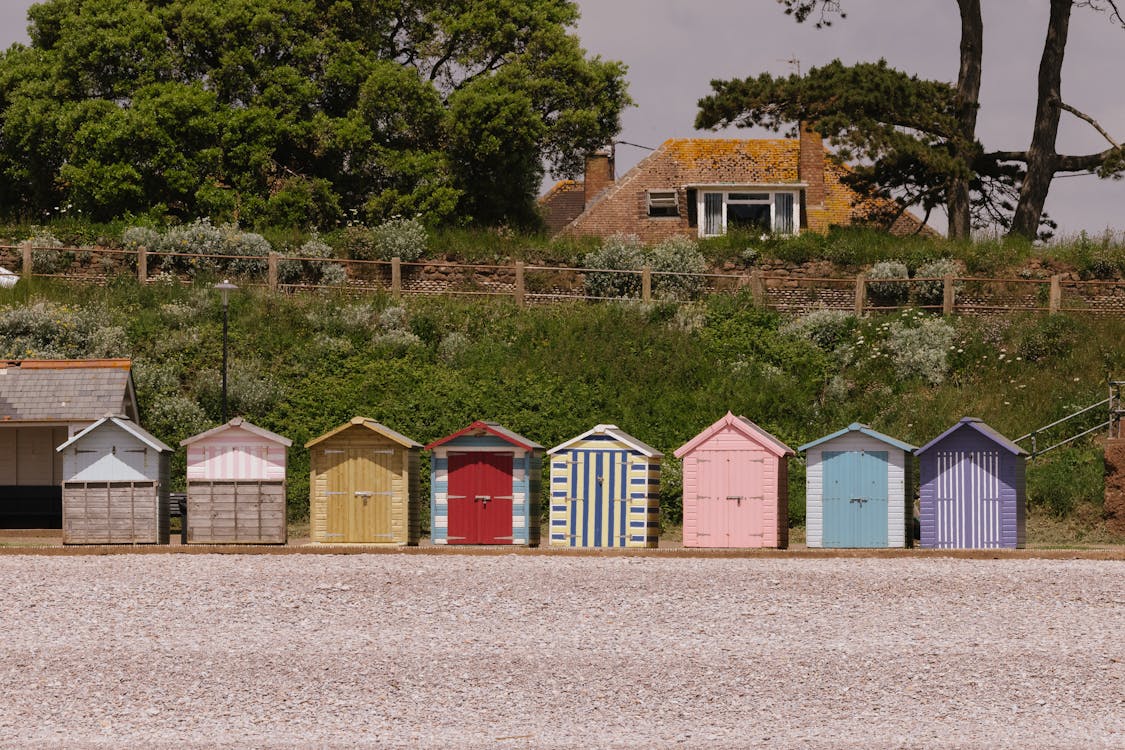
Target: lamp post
{"points": [[225, 287]]}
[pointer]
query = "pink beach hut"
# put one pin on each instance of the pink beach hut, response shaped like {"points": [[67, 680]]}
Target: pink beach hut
{"points": [[736, 490]]}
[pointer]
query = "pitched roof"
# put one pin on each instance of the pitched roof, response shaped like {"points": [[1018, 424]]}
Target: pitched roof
{"points": [[983, 429], [743, 426], [239, 423], [863, 429], [614, 432], [491, 428], [126, 424], [370, 424], [65, 390]]}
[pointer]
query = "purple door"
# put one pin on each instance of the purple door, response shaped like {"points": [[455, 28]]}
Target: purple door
{"points": [[967, 500]]}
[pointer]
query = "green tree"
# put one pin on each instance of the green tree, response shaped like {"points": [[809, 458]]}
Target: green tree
{"points": [[917, 138], [297, 111]]}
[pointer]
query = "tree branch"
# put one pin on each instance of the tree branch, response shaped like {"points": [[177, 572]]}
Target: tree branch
{"points": [[1083, 116], [1085, 163]]}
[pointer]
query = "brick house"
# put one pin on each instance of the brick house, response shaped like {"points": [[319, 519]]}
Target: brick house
{"points": [[701, 187]]}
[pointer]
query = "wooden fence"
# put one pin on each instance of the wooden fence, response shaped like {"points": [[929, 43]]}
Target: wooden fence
{"points": [[539, 284]]}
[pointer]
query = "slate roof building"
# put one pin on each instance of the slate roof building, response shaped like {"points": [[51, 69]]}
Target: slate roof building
{"points": [[43, 403]]}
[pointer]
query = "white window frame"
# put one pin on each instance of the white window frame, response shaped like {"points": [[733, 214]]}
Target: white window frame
{"points": [[727, 191], [667, 198]]}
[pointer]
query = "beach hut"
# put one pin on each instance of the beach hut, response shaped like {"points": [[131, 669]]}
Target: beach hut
{"points": [[115, 485], [858, 490], [971, 489], [605, 491], [484, 487], [736, 486], [236, 485], [364, 485]]}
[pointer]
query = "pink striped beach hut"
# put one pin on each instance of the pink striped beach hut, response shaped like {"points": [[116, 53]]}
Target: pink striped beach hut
{"points": [[736, 486], [236, 485]]}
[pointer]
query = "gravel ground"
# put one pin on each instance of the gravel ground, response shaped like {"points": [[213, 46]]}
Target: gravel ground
{"points": [[516, 652]]}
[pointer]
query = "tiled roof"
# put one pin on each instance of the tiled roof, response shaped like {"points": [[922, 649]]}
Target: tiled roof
{"points": [[763, 160], [65, 391]]}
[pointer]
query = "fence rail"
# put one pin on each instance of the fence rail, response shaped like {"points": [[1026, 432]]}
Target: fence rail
{"points": [[541, 284]]}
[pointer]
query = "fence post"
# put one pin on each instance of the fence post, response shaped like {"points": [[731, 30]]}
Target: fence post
{"points": [[396, 276], [519, 291], [28, 261], [860, 293], [646, 283], [947, 296], [1054, 299], [142, 266], [271, 270], [758, 288]]}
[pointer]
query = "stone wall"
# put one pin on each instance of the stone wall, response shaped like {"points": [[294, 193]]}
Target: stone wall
{"points": [[1115, 486]]}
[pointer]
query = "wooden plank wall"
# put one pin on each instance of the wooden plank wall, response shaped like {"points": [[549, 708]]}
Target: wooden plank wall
{"points": [[236, 512], [113, 513]]}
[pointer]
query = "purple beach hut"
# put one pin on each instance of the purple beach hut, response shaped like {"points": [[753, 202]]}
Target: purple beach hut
{"points": [[972, 489]]}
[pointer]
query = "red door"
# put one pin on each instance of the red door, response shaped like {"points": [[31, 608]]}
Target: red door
{"points": [[480, 498]]}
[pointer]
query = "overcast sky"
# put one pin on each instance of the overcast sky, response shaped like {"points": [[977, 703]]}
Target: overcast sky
{"points": [[674, 48]]}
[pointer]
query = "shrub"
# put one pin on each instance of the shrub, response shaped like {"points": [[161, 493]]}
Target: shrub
{"points": [[134, 238], [828, 329], [300, 266], [1060, 481], [400, 238], [677, 255], [358, 242], [44, 258], [881, 286], [933, 292], [921, 349], [1050, 336], [618, 253]]}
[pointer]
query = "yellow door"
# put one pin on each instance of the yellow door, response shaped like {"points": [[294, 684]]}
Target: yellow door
{"points": [[372, 470], [336, 470]]}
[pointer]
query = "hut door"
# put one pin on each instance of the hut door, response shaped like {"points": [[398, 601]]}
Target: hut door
{"points": [[599, 483], [855, 498], [967, 507], [360, 494], [730, 499], [480, 498]]}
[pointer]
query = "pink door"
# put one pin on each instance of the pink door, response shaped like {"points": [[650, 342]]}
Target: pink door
{"points": [[730, 499]]}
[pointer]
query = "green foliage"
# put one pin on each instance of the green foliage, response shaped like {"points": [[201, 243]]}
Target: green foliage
{"points": [[920, 348], [881, 286], [1061, 480], [298, 113], [932, 292], [1053, 336], [676, 255], [828, 329], [675, 262], [402, 238], [617, 253]]}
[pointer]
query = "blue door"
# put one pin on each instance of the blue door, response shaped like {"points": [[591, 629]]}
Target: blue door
{"points": [[855, 498]]}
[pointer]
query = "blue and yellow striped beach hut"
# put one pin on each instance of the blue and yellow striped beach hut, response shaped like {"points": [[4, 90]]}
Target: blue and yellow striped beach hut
{"points": [[605, 491]]}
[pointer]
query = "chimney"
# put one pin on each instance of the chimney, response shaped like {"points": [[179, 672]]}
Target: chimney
{"points": [[810, 167], [599, 174]]}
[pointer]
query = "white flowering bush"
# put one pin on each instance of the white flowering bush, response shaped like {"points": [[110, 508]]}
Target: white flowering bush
{"points": [[933, 292], [44, 257], [882, 281], [401, 238], [300, 265], [53, 331], [393, 329], [678, 255], [920, 347], [453, 345], [828, 329], [134, 238], [224, 248], [619, 252], [175, 417]]}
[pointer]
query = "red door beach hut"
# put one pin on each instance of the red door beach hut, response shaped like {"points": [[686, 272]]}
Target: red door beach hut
{"points": [[857, 490], [115, 485], [236, 485], [605, 491], [484, 487], [736, 491], [364, 485], [972, 489]]}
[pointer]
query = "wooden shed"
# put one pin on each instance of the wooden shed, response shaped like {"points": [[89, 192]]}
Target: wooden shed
{"points": [[115, 485], [484, 487], [44, 403], [605, 491], [972, 492], [236, 485], [858, 491], [736, 486], [364, 485]]}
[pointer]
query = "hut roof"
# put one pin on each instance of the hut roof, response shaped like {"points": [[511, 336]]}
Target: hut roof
{"points": [[861, 428], [745, 427], [239, 423], [615, 432], [124, 423], [983, 429], [370, 424], [65, 390], [491, 428]]}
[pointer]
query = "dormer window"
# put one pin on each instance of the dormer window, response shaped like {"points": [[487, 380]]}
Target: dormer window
{"points": [[755, 210], [663, 203]]}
